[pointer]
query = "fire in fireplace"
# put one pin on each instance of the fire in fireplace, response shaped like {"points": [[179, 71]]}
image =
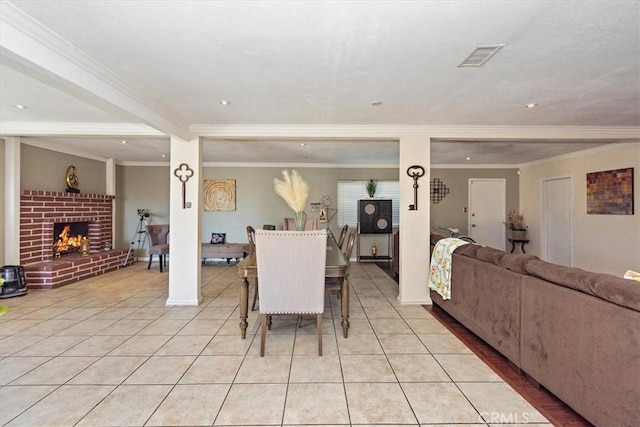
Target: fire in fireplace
{"points": [[68, 237]]}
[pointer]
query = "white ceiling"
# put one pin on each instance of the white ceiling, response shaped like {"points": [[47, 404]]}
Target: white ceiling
{"points": [[163, 66]]}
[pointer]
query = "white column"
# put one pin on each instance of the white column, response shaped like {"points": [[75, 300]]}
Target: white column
{"points": [[110, 178], [415, 149], [12, 200], [184, 271]]}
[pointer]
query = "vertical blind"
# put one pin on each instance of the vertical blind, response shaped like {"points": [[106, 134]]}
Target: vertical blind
{"points": [[349, 192]]}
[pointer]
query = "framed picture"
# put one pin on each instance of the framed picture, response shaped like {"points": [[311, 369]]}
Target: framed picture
{"points": [[323, 215], [610, 192], [219, 194]]}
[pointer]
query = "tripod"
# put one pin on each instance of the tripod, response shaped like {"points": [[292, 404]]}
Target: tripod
{"points": [[141, 232]]}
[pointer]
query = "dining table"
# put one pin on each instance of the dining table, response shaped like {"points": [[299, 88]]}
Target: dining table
{"points": [[337, 267]]}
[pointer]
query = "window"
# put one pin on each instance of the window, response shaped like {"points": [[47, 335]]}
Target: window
{"points": [[349, 192]]}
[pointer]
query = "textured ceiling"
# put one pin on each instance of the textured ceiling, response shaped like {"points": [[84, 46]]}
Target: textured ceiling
{"points": [[324, 63]]}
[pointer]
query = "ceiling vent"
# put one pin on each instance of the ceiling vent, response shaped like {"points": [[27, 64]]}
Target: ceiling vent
{"points": [[480, 55]]}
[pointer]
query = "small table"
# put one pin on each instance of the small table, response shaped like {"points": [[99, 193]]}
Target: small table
{"points": [[522, 243]]}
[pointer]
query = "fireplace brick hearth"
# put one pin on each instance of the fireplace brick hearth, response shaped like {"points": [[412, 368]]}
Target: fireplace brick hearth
{"points": [[39, 211]]}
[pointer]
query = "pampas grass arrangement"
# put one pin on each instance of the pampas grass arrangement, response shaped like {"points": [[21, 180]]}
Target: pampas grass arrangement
{"points": [[292, 189]]}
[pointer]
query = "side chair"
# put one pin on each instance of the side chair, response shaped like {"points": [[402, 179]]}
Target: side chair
{"points": [[343, 235], [333, 286], [251, 236], [158, 243], [291, 271]]}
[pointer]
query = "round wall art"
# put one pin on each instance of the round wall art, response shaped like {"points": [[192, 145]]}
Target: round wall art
{"points": [[219, 194]]}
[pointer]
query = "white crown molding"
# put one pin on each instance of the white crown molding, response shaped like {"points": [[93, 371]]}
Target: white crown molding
{"points": [[33, 45], [472, 166], [143, 164], [397, 132], [78, 128], [300, 165], [581, 153]]}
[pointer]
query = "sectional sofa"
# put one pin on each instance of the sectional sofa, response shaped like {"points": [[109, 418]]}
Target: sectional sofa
{"points": [[577, 333]]}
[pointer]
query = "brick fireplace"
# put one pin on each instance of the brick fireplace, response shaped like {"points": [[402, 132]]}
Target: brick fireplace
{"points": [[39, 211]]}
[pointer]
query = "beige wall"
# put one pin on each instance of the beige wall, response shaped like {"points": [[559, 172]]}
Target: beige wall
{"points": [[43, 169], [140, 187], [2, 203], [256, 202], [602, 243], [450, 211]]}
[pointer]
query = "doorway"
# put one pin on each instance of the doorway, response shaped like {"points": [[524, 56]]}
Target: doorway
{"points": [[556, 228], [487, 207]]}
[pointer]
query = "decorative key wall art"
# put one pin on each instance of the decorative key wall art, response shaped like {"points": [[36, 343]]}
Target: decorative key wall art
{"points": [[219, 194], [610, 192]]}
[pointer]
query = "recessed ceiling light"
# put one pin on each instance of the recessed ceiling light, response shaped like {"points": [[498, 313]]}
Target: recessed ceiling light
{"points": [[302, 144], [468, 158], [164, 155], [124, 141], [376, 103], [225, 102], [21, 107], [531, 105]]}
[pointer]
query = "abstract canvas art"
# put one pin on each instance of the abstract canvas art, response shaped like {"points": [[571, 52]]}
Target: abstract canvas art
{"points": [[219, 194], [610, 192]]}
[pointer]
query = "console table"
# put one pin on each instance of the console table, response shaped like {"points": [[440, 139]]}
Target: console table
{"points": [[522, 242]]}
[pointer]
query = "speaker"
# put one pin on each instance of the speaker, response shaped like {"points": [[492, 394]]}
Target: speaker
{"points": [[374, 216]]}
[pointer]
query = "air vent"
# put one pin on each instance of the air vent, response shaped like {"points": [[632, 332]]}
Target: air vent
{"points": [[480, 55]]}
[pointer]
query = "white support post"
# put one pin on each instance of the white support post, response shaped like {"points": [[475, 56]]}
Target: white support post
{"points": [[12, 200], [415, 149], [185, 221], [111, 191]]}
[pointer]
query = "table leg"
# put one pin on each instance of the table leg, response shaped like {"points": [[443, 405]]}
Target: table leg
{"points": [[244, 307], [344, 297], [513, 246], [522, 247]]}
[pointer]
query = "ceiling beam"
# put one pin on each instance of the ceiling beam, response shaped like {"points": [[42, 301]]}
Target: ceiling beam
{"points": [[30, 47]]}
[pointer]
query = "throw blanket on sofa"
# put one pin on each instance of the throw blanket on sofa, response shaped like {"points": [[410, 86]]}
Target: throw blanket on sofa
{"points": [[440, 269]]}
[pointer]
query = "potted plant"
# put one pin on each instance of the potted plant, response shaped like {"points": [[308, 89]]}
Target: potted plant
{"points": [[516, 223], [371, 186]]}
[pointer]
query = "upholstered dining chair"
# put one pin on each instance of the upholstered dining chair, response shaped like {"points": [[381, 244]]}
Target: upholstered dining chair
{"points": [[158, 243], [291, 271]]}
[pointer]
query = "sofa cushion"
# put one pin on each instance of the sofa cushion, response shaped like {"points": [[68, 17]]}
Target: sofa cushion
{"points": [[489, 254], [467, 250], [616, 290], [516, 262]]}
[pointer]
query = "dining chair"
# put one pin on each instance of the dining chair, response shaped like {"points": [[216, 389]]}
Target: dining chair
{"points": [[310, 224], [333, 286], [251, 236], [343, 235], [291, 271], [158, 243]]}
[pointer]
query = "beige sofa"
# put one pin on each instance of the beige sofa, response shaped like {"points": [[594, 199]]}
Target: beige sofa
{"points": [[576, 333]]}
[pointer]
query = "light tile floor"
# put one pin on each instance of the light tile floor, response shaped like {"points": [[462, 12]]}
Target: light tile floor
{"points": [[108, 352]]}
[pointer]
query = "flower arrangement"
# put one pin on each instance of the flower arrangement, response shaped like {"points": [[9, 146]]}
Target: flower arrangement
{"points": [[515, 220], [295, 192], [371, 186]]}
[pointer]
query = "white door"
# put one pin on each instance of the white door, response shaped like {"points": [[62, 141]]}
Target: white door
{"points": [[487, 207], [557, 234]]}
